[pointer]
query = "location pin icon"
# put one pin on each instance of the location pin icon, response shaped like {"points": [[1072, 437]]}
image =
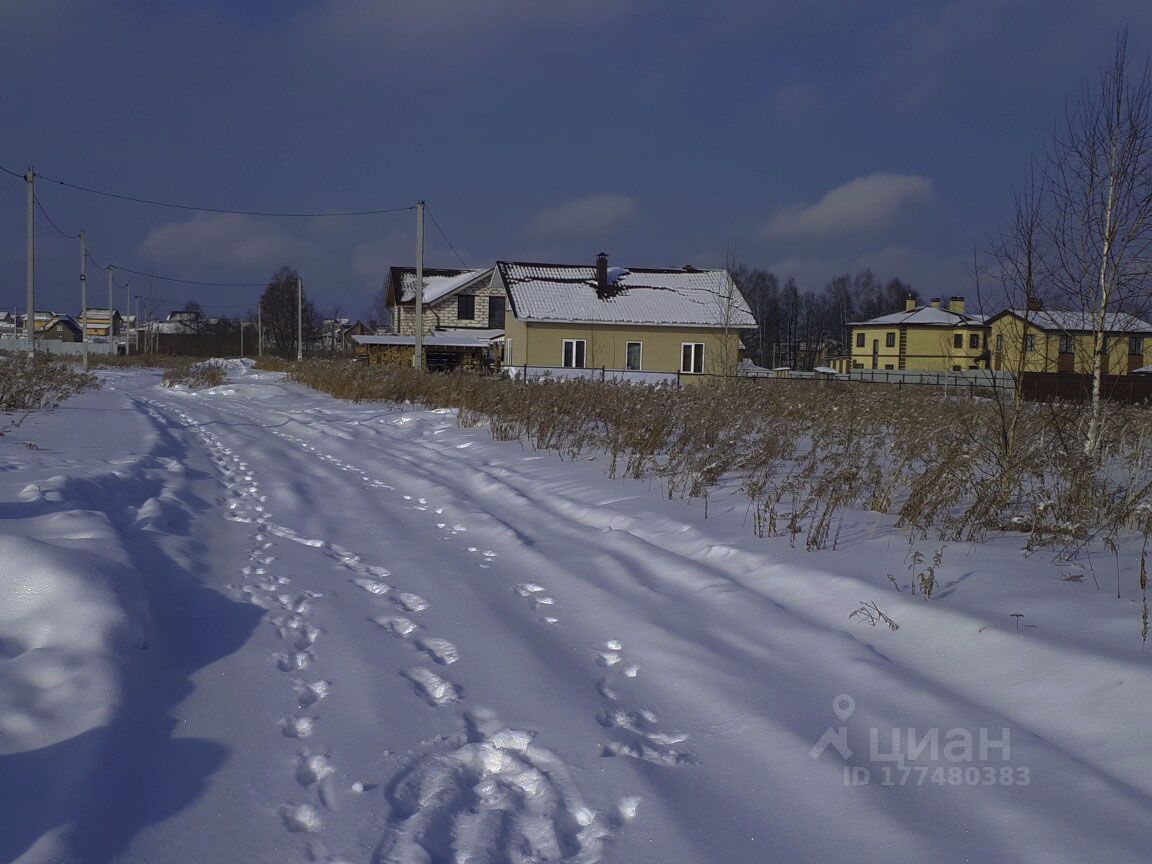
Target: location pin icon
{"points": [[843, 706]]}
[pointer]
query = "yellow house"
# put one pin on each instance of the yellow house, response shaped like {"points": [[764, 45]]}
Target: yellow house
{"points": [[637, 323], [930, 338], [101, 322], [1043, 340]]}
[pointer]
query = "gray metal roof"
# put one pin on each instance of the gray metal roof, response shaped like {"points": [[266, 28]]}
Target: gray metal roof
{"points": [[1079, 322], [682, 297]]}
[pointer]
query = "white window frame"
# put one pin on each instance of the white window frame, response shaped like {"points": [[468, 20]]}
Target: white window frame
{"points": [[697, 355], [583, 343], [639, 360]]}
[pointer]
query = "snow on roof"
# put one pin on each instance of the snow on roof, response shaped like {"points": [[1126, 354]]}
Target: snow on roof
{"points": [[460, 338], [1055, 319], [923, 315], [669, 297], [438, 285]]}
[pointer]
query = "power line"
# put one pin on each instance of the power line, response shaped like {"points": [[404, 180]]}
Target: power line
{"points": [[177, 279], [195, 208], [52, 222], [445, 236]]}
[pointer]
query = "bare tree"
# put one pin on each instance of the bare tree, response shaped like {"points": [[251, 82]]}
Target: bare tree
{"points": [[1099, 182], [278, 309], [1016, 274]]}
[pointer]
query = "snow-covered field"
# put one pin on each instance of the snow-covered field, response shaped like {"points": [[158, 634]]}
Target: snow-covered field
{"points": [[254, 624]]}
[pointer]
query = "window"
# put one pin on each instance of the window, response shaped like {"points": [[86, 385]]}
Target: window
{"points": [[974, 340], [466, 307], [859, 340], [889, 340], [692, 357], [574, 353], [496, 314], [957, 340], [1135, 344], [1029, 341], [1067, 344], [999, 343], [889, 366], [633, 351]]}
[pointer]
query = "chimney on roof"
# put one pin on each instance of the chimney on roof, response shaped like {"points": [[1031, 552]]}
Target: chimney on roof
{"points": [[602, 274], [956, 304], [909, 303], [935, 302], [1034, 304]]}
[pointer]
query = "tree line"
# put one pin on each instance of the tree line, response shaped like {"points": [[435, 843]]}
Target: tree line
{"points": [[801, 329]]}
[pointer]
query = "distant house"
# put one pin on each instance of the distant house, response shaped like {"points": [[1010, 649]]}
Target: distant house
{"points": [[1035, 339], [101, 322], [453, 299], [663, 320], [59, 328], [336, 333], [930, 338], [10, 324], [42, 318], [181, 322]]}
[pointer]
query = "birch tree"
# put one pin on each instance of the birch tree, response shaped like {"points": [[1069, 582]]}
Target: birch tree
{"points": [[1099, 182]]}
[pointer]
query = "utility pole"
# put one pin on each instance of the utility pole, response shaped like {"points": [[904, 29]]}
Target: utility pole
{"points": [[418, 344], [260, 331], [299, 319], [84, 295], [128, 314], [30, 236], [111, 330], [241, 340]]}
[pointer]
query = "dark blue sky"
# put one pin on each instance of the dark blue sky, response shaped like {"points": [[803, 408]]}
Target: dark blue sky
{"points": [[812, 137]]}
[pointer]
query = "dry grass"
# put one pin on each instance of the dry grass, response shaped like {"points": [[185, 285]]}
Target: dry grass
{"points": [[195, 376], [270, 363], [804, 453], [130, 361], [29, 385]]}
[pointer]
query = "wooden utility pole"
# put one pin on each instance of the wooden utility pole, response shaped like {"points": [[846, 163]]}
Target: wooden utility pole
{"points": [[418, 343], [127, 314], [110, 328], [260, 331], [84, 296], [299, 318], [30, 237]]}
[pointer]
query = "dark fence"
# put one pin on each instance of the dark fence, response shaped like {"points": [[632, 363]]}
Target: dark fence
{"points": [[1073, 387], [200, 344]]}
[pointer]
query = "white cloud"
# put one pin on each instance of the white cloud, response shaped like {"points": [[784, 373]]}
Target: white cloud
{"points": [[223, 238], [585, 217], [862, 204]]}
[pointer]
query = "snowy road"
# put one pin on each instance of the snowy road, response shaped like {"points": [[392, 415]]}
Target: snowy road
{"points": [[353, 633]]}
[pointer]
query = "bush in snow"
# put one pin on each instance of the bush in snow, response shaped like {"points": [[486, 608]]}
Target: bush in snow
{"points": [[31, 384], [195, 376]]}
